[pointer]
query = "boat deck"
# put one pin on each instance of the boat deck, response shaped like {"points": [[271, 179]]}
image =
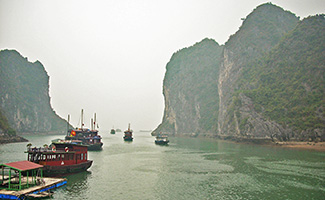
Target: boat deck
{"points": [[46, 185]]}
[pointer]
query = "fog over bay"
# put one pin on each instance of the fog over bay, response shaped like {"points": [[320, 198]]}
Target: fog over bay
{"points": [[109, 57]]}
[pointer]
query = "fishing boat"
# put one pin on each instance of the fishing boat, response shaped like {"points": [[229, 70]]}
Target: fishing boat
{"points": [[61, 157], [128, 134], [89, 137], [112, 131], [162, 139]]}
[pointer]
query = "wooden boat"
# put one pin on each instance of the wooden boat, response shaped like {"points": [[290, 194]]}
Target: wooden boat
{"points": [[128, 134], [162, 139], [63, 157], [90, 138]]}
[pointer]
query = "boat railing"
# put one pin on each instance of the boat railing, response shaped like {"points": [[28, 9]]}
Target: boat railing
{"points": [[40, 149]]}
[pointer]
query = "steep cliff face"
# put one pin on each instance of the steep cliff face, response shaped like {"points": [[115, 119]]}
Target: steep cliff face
{"points": [[190, 90], [286, 88], [24, 95], [268, 82], [259, 33]]}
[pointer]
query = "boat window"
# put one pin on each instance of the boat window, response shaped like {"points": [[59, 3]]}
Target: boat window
{"points": [[85, 156], [62, 156], [82, 156]]}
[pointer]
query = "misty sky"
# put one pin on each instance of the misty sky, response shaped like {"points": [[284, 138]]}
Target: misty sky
{"points": [[110, 57]]}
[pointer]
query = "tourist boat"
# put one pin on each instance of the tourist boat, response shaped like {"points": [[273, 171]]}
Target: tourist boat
{"points": [[61, 157], [162, 139], [128, 134], [90, 138], [112, 131]]}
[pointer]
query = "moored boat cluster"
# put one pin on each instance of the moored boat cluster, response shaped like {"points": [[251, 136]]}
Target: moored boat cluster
{"points": [[36, 177]]}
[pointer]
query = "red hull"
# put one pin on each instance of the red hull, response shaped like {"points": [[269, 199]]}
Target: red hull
{"points": [[66, 169]]}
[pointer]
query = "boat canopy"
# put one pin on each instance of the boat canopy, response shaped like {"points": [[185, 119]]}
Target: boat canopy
{"points": [[20, 175], [22, 165]]}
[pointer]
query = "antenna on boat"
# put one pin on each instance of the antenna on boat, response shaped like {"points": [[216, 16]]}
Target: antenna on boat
{"points": [[129, 127], [82, 118]]}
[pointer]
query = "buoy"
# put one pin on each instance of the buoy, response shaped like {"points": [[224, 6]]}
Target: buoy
{"points": [[54, 149], [66, 149]]}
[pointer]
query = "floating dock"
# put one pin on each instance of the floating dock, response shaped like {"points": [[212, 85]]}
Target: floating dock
{"points": [[23, 179], [42, 190]]}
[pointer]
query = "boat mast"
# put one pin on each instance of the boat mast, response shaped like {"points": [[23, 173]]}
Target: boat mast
{"points": [[92, 124], [68, 124], [82, 118], [94, 121]]}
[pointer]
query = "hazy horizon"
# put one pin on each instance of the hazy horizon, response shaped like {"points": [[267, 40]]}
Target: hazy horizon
{"points": [[109, 57]]}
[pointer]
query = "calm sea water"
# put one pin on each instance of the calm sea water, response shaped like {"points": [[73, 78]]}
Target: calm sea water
{"points": [[188, 169]]}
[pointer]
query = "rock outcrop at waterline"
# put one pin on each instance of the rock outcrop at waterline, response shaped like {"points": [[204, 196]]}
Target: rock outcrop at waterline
{"points": [[269, 82], [24, 96], [8, 134]]}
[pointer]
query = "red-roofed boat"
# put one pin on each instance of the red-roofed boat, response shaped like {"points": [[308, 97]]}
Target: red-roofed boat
{"points": [[62, 157]]}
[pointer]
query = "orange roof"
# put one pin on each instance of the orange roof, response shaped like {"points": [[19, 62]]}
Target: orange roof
{"points": [[23, 165]]}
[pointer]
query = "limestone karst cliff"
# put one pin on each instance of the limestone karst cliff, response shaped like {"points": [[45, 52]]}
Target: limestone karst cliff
{"points": [[268, 82], [190, 90], [24, 95], [260, 32]]}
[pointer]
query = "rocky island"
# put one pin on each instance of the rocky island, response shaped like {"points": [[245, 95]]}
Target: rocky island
{"points": [[265, 85], [24, 99]]}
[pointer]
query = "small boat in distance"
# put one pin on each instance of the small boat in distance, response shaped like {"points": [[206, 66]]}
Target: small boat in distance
{"points": [[162, 139], [128, 134], [61, 157], [112, 131]]}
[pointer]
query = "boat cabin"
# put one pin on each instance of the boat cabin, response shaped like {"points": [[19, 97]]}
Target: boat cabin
{"points": [[59, 153], [87, 136]]}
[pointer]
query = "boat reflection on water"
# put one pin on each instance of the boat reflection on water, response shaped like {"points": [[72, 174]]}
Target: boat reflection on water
{"points": [[77, 186]]}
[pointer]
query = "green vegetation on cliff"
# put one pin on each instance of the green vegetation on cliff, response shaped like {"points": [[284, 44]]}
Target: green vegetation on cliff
{"points": [[261, 31], [288, 84], [5, 127]]}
